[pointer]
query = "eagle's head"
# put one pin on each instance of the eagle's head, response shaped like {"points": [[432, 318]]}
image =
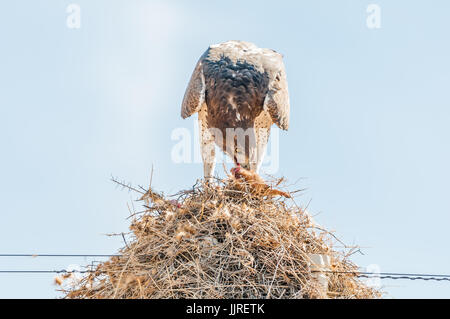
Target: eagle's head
{"points": [[235, 170]]}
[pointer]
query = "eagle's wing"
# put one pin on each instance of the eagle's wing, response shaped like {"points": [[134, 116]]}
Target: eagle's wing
{"points": [[276, 101], [195, 92]]}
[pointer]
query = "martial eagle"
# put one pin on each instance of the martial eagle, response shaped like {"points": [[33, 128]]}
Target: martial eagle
{"points": [[238, 91]]}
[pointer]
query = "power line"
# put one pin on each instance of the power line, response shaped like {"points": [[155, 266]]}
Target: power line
{"points": [[360, 274], [383, 273], [393, 276], [406, 277], [62, 271], [61, 255]]}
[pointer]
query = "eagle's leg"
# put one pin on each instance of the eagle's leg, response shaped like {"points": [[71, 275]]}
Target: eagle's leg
{"points": [[207, 148], [262, 137]]}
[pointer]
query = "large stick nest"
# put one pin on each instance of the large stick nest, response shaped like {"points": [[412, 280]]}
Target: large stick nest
{"points": [[220, 241]]}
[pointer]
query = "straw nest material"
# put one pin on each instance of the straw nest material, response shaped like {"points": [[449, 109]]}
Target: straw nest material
{"points": [[222, 241]]}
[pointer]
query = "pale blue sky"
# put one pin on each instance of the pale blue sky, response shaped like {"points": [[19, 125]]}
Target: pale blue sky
{"points": [[370, 113]]}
